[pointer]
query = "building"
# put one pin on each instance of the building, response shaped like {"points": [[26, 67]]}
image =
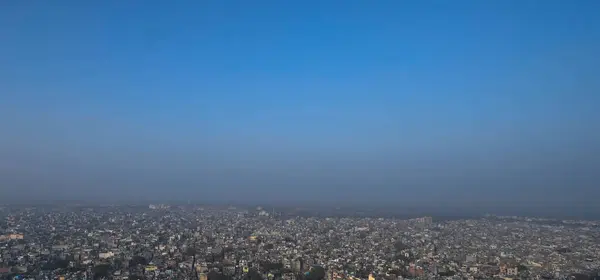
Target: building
{"points": [[12, 236], [106, 255]]}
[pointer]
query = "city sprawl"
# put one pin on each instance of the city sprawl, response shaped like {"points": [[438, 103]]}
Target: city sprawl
{"points": [[202, 242]]}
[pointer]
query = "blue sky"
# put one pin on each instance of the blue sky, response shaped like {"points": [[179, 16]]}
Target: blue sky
{"points": [[397, 101]]}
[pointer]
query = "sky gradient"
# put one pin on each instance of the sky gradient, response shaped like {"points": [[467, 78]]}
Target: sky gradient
{"points": [[402, 102]]}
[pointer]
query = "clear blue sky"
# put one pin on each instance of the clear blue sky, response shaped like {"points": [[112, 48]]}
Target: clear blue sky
{"points": [[397, 101]]}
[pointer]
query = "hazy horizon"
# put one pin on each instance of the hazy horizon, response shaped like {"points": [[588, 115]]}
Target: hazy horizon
{"points": [[462, 102]]}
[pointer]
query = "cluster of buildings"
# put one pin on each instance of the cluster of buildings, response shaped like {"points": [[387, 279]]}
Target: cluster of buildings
{"points": [[188, 242], [11, 236]]}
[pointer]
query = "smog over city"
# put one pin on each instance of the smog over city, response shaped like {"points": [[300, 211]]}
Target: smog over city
{"points": [[267, 127]]}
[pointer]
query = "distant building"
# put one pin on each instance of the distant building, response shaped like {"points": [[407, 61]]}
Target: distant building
{"points": [[471, 258], [106, 255], [12, 236], [151, 268], [510, 270]]}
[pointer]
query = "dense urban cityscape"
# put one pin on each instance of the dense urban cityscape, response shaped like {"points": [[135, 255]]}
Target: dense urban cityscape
{"points": [[162, 241]]}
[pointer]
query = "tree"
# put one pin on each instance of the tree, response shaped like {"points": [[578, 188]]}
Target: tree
{"points": [[101, 270], [268, 266], [190, 251], [117, 263], [400, 246], [253, 275], [447, 273], [522, 268], [316, 273], [137, 260], [213, 275]]}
